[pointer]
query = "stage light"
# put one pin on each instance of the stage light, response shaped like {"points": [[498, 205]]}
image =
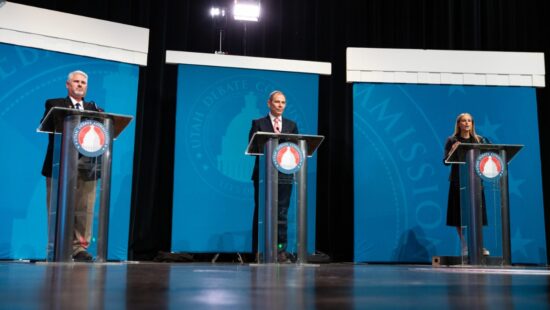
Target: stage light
{"points": [[216, 12], [220, 23], [246, 10]]}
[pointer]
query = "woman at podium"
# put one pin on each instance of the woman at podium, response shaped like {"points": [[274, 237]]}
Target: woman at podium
{"points": [[464, 132]]}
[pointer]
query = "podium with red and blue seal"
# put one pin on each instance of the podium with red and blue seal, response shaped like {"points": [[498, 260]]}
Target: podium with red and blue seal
{"points": [[484, 195], [83, 149], [283, 161]]}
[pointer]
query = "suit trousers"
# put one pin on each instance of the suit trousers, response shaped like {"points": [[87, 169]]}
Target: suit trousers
{"points": [[285, 191], [83, 212]]}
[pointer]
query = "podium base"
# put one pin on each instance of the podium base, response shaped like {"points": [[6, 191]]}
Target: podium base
{"points": [[444, 261]]}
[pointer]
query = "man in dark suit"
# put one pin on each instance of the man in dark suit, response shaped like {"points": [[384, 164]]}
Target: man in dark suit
{"points": [[274, 122], [77, 86]]}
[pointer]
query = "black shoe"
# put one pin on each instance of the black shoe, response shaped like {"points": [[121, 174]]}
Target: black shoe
{"points": [[82, 256], [284, 258]]}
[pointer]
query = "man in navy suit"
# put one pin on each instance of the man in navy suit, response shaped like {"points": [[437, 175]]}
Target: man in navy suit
{"points": [[77, 86], [274, 122]]}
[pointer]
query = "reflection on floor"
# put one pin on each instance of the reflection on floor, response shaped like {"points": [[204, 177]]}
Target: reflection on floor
{"points": [[334, 286]]}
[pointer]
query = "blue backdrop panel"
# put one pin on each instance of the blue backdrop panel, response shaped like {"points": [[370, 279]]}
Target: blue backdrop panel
{"points": [[213, 192], [27, 78], [401, 184]]}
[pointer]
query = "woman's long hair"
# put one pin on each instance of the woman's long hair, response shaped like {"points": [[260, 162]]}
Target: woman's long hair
{"points": [[472, 130]]}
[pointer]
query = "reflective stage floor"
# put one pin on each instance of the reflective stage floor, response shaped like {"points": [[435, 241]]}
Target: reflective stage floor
{"points": [[331, 286]]}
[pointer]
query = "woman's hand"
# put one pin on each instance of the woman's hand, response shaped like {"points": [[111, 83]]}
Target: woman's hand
{"points": [[455, 145]]}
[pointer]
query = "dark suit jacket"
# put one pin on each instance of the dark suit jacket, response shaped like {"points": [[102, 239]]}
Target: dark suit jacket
{"points": [[62, 103], [264, 124]]}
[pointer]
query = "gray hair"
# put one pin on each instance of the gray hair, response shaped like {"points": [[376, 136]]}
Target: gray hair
{"points": [[70, 75], [275, 92]]}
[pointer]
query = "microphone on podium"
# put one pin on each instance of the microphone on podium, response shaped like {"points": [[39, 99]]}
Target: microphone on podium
{"points": [[96, 106]]}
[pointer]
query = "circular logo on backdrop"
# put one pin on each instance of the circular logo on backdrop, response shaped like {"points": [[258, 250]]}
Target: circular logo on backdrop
{"points": [[91, 138], [394, 139], [489, 166], [213, 138], [288, 158]]}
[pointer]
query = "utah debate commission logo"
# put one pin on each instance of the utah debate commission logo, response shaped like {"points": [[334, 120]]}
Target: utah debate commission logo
{"points": [[91, 138], [288, 158], [489, 166]]}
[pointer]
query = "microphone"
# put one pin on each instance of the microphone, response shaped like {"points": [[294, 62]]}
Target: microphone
{"points": [[96, 106]]}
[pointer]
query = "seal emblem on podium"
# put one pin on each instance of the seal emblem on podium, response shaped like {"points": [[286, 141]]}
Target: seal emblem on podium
{"points": [[91, 138], [288, 158]]}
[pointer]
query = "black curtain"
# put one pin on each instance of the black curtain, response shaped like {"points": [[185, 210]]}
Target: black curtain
{"points": [[304, 30]]}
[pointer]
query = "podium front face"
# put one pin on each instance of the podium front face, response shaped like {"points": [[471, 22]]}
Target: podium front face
{"points": [[282, 217], [81, 176], [484, 201], [480, 205], [282, 194]]}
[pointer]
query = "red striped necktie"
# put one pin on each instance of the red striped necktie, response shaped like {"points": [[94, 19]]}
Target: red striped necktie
{"points": [[277, 125]]}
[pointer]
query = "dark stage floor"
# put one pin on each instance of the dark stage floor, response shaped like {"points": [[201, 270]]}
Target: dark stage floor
{"points": [[331, 286]]}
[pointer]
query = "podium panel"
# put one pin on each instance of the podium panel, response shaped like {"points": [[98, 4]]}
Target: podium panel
{"points": [[81, 179], [283, 230], [484, 202], [490, 216], [282, 186]]}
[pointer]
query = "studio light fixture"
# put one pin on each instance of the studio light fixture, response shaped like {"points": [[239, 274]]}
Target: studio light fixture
{"points": [[246, 10], [220, 20], [217, 12]]}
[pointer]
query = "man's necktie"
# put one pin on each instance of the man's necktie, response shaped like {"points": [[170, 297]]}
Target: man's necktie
{"points": [[77, 105], [277, 125]]}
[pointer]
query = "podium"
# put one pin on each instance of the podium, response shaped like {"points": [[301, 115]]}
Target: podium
{"points": [[83, 143], [275, 150], [484, 165]]}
